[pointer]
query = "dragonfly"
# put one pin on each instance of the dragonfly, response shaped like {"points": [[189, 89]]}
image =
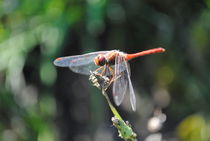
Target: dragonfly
{"points": [[112, 64]]}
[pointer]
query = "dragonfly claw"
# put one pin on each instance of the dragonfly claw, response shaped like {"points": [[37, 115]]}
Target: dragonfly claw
{"points": [[99, 81]]}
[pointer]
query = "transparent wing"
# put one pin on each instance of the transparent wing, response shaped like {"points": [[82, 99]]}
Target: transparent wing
{"points": [[130, 88], [120, 83], [82, 64]]}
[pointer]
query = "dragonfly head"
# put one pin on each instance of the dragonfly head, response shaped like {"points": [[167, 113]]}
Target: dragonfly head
{"points": [[100, 60]]}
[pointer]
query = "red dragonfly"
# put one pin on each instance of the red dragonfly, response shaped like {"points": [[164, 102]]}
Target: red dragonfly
{"points": [[113, 64]]}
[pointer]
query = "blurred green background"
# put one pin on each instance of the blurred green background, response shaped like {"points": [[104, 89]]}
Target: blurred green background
{"points": [[39, 102]]}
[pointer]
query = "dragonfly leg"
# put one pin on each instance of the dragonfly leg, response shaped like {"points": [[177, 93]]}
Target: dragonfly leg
{"points": [[104, 70], [113, 75], [98, 69]]}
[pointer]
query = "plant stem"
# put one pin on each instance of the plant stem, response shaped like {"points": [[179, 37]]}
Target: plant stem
{"points": [[124, 128], [114, 111]]}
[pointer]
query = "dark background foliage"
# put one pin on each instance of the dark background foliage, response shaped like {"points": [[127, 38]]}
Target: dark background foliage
{"points": [[41, 102]]}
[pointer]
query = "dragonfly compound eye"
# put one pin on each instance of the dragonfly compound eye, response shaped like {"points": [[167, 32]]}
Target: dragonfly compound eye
{"points": [[100, 60]]}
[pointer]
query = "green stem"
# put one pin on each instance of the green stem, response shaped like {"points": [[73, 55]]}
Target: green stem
{"points": [[114, 111], [124, 129]]}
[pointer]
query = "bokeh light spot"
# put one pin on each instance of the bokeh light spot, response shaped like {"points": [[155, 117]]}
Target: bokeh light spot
{"points": [[48, 73], [47, 105], [165, 75], [46, 135], [192, 128]]}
